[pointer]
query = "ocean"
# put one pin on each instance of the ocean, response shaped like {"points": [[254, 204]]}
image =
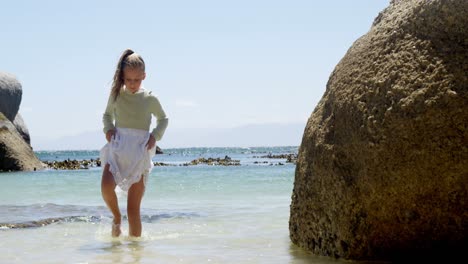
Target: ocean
{"points": [[191, 214]]}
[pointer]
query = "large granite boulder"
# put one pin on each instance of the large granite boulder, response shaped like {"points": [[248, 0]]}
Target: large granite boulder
{"points": [[382, 169], [15, 153], [10, 95]]}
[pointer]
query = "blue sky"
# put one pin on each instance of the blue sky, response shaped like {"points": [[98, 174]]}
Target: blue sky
{"points": [[214, 64]]}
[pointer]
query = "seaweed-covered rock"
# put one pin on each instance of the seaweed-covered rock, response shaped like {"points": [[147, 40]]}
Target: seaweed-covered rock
{"points": [[382, 169]]}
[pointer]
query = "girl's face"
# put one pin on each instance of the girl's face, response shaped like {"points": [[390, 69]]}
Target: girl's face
{"points": [[133, 78]]}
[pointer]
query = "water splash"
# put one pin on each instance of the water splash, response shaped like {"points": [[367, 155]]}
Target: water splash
{"points": [[40, 215]]}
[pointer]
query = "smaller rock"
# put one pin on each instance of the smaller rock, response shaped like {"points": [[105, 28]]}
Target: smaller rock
{"points": [[10, 95], [22, 128], [15, 153], [227, 161], [159, 150]]}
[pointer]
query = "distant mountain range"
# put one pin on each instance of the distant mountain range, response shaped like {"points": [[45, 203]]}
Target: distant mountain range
{"points": [[244, 136]]}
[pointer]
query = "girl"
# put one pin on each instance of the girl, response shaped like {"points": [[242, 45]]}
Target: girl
{"points": [[127, 157]]}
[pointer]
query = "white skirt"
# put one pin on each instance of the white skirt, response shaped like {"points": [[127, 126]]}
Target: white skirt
{"points": [[128, 157]]}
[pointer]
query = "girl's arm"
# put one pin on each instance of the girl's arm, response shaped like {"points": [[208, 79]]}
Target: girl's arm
{"points": [[161, 118], [108, 116]]}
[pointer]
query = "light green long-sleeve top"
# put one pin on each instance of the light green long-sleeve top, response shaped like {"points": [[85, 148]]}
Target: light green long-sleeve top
{"points": [[134, 110]]}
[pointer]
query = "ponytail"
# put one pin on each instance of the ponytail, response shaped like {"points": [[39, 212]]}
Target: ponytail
{"points": [[128, 59]]}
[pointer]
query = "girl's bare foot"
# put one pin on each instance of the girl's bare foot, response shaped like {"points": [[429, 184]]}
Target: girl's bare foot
{"points": [[116, 229]]}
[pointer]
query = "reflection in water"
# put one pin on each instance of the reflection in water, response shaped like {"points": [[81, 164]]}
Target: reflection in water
{"points": [[122, 251], [303, 256]]}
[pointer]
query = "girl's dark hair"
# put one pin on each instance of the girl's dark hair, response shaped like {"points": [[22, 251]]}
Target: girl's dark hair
{"points": [[128, 59]]}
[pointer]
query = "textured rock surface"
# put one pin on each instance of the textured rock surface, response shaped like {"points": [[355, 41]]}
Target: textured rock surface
{"points": [[382, 170], [10, 95], [22, 128], [15, 153]]}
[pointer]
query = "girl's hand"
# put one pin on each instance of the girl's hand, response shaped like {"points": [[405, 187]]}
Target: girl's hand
{"points": [[151, 142], [109, 134]]}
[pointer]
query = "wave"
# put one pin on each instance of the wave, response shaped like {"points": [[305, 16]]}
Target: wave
{"points": [[48, 221], [40, 215]]}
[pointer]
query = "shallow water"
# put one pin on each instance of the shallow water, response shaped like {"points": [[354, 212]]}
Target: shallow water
{"points": [[194, 214]]}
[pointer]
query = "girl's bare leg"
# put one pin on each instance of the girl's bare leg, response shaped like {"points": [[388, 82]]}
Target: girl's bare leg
{"points": [[135, 194], [109, 196]]}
